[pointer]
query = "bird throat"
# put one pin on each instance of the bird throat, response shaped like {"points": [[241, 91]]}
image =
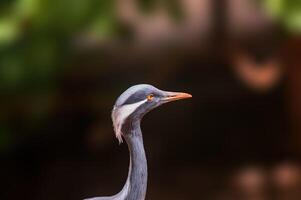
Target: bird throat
{"points": [[120, 116], [136, 184]]}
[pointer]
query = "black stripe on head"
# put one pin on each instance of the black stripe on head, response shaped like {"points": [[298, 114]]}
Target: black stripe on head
{"points": [[136, 97], [137, 93]]}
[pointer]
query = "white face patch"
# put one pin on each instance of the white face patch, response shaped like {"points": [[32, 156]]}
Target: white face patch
{"points": [[119, 115]]}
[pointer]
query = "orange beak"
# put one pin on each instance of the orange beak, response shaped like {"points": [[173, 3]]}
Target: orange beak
{"points": [[173, 96]]}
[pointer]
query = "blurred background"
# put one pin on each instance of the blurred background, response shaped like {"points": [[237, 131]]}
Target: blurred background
{"points": [[64, 62]]}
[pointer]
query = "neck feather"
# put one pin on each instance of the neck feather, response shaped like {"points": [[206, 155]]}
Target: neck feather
{"points": [[136, 184]]}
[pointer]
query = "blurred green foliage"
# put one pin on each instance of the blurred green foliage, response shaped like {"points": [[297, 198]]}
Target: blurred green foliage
{"points": [[35, 36], [288, 12], [36, 47]]}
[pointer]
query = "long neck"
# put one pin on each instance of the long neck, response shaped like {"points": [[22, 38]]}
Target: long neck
{"points": [[136, 184]]}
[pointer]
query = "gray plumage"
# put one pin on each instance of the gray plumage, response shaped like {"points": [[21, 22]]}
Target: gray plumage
{"points": [[127, 113]]}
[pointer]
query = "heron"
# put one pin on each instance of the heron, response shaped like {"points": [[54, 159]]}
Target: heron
{"points": [[128, 111]]}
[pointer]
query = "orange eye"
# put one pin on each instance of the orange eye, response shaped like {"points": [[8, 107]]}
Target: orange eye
{"points": [[150, 97]]}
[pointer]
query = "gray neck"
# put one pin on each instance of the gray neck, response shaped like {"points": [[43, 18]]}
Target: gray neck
{"points": [[136, 184]]}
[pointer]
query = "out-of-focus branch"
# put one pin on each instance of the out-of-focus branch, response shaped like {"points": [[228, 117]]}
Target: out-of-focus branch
{"points": [[291, 52]]}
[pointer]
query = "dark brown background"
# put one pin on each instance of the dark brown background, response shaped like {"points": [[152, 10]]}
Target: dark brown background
{"points": [[237, 138]]}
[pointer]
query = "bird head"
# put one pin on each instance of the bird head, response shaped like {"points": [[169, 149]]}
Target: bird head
{"points": [[138, 100]]}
